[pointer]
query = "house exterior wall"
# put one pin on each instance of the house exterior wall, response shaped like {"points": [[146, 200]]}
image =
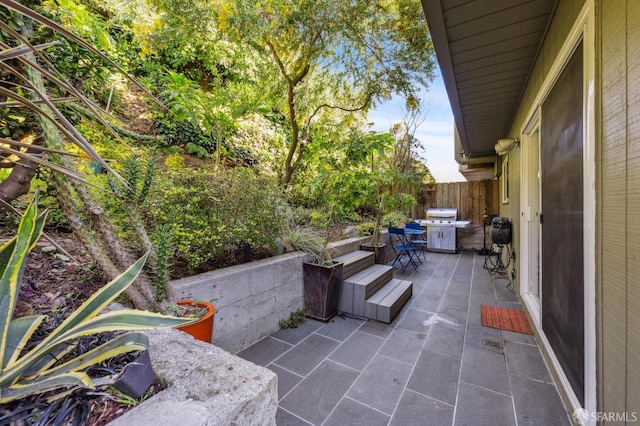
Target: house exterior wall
{"points": [[617, 156], [564, 17], [618, 205]]}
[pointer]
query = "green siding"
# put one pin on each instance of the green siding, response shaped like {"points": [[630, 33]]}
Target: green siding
{"points": [[617, 54]]}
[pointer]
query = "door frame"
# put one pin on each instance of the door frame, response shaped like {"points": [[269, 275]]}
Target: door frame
{"points": [[531, 242], [583, 29]]}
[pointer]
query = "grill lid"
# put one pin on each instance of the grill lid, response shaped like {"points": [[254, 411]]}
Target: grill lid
{"points": [[442, 214]]}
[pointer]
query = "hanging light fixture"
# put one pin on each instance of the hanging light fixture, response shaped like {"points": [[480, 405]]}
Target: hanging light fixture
{"points": [[505, 145]]}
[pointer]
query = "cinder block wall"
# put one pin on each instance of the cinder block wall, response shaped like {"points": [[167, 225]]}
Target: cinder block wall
{"points": [[252, 298]]}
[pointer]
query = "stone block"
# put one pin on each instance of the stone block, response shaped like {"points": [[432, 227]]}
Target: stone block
{"points": [[207, 386]]}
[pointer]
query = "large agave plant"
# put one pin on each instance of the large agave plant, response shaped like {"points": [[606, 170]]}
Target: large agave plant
{"points": [[40, 369]]}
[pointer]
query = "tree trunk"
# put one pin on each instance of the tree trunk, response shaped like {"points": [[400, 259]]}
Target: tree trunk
{"points": [[19, 181], [95, 249], [295, 136]]}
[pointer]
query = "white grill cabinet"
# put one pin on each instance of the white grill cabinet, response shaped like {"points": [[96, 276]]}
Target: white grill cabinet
{"points": [[441, 230]]}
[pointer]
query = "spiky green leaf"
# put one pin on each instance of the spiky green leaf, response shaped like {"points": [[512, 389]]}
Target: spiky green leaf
{"points": [[19, 391], [20, 330], [13, 270], [124, 343]]}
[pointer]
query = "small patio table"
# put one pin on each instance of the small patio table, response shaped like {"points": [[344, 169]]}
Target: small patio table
{"points": [[402, 247], [414, 234]]}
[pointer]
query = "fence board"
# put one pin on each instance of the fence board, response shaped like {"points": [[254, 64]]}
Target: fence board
{"points": [[472, 199]]}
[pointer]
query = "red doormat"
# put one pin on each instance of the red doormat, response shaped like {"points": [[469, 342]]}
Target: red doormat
{"points": [[505, 319]]}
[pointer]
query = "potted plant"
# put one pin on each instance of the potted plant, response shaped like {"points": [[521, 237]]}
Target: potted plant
{"points": [[322, 276], [375, 245], [322, 279], [202, 327]]}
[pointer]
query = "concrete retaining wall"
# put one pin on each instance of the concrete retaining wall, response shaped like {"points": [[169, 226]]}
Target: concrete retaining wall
{"points": [[252, 298], [207, 386]]}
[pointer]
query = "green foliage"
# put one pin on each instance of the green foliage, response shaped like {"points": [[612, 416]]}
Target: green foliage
{"points": [[212, 213], [138, 180], [302, 238], [174, 162], [196, 150], [182, 133], [321, 219], [202, 143], [55, 217], [295, 319], [365, 229], [395, 218], [164, 248], [25, 372], [401, 202], [123, 398]]}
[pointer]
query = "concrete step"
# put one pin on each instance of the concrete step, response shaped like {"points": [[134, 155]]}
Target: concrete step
{"points": [[357, 288], [388, 301], [355, 262]]}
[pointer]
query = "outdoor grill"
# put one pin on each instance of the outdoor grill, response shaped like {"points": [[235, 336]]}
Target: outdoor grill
{"points": [[441, 230]]}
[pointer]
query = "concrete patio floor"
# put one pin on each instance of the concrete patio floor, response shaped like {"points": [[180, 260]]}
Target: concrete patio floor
{"points": [[435, 364]]}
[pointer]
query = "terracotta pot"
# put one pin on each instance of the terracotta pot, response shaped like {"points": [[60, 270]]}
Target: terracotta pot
{"points": [[137, 378], [321, 290], [202, 328]]}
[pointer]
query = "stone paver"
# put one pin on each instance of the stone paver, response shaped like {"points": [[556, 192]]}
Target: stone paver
{"points": [[435, 364]]}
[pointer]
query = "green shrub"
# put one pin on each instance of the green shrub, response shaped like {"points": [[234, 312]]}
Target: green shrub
{"points": [[400, 202], [319, 219], [210, 214], [174, 162], [365, 229], [395, 219]]}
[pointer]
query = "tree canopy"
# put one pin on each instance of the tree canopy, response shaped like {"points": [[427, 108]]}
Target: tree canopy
{"points": [[314, 60], [278, 88]]}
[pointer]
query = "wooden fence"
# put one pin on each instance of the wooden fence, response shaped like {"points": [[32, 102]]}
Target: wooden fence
{"points": [[472, 199]]}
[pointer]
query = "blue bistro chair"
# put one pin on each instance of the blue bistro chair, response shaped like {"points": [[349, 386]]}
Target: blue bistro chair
{"points": [[418, 242], [401, 248]]}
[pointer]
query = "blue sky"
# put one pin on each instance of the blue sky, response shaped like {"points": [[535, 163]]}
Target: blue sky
{"points": [[435, 133]]}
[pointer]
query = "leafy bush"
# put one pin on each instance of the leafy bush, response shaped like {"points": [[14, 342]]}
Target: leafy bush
{"points": [[174, 162], [400, 202], [395, 219], [182, 133], [189, 137], [365, 229], [320, 219], [211, 214], [295, 319], [302, 238]]}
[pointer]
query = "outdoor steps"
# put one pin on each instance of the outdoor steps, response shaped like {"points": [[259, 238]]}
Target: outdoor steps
{"points": [[355, 262], [385, 304], [369, 290]]}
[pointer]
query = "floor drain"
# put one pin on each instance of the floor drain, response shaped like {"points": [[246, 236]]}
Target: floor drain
{"points": [[492, 343]]}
